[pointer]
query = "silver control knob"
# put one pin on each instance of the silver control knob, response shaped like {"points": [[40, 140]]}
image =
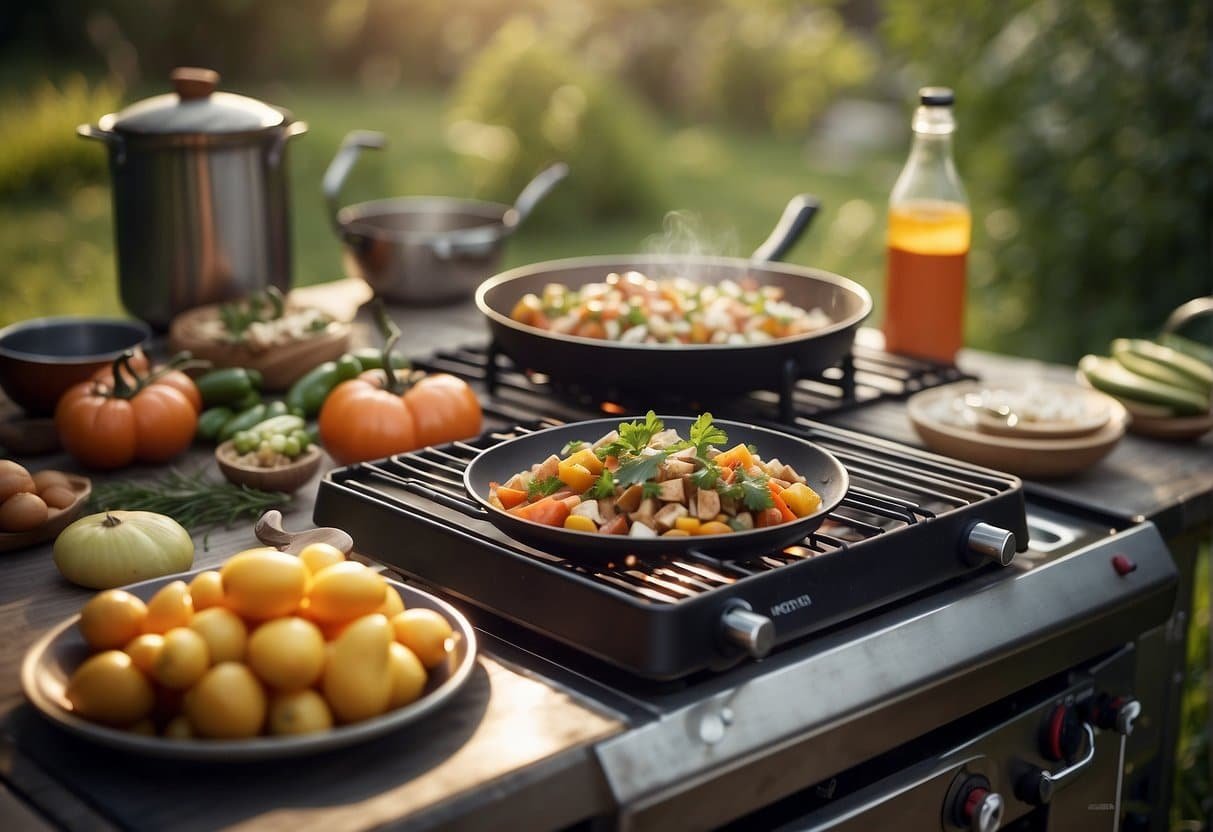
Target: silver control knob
{"points": [[1126, 715], [750, 631], [984, 810], [992, 543]]}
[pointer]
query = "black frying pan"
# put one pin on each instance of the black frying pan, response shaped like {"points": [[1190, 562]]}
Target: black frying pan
{"points": [[824, 474], [601, 365]]}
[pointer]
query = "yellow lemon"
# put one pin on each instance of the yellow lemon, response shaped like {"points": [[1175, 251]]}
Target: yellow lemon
{"points": [[109, 688], [144, 650], [286, 653], [170, 607], [111, 619], [263, 583], [316, 556], [207, 590], [357, 677], [345, 591], [224, 633], [301, 712], [408, 675], [182, 660], [425, 633], [227, 703], [392, 604]]}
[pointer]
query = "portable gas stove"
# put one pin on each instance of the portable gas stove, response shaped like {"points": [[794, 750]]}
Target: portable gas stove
{"points": [[939, 655]]}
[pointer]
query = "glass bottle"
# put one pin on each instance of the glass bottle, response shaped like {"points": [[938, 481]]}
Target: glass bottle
{"points": [[928, 239]]}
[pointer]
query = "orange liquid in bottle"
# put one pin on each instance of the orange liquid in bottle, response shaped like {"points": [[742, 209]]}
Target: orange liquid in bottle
{"points": [[928, 242]]}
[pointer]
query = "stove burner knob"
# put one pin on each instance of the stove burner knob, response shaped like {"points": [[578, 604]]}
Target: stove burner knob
{"points": [[991, 543], [748, 630], [1062, 735], [1116, 713], [982, 810], [1035, 787]]}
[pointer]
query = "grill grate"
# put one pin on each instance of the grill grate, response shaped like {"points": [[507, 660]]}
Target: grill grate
{"points": [[899, 530]]}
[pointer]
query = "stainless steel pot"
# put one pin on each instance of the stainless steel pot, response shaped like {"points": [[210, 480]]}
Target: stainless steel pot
{"points": [[425, 249], [200, 196]]}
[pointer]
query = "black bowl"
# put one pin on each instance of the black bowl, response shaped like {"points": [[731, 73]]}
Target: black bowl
{"points": [[42, 357]]}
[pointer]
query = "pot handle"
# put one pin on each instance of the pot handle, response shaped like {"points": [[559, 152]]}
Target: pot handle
{"points": [[343, 163], [534, 192], [91, 131], [795, 219], [290, 131]]}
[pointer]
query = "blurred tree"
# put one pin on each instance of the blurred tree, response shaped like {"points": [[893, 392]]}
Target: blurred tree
{"points": [[1084, 135]]}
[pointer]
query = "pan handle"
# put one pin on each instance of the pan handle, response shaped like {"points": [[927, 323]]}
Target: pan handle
{"points": [[421, 490], [795, 219], [338, 169]]}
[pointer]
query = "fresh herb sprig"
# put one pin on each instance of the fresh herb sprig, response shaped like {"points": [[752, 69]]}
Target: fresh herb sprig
{"points": [[573, 446], [604, 487], [633, 437], [191, 499], [543, 487], [640, 468], [650, 489], [752, 490]]}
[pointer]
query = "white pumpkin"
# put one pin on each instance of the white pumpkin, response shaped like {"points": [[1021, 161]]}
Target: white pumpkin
{"points": [[115, 548]]}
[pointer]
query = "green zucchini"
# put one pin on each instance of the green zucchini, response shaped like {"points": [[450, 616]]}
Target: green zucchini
{"points": [[1115, 379], [1198, 375], [1199, 351]]}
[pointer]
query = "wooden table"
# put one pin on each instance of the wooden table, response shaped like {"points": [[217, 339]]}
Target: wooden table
{"points": [[512, 752]]}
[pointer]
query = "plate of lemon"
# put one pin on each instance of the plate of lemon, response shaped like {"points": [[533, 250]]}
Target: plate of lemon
{"points": [[272, 654]]}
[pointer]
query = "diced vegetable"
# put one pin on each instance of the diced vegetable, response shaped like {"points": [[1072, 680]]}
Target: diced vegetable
{"points": [[801, 499], [510, 497], [617, 525], [641, 530], [579, 523], [687, 524], [714, 527], [548, 512], [587, 460], [785, 513], [575, 476], [737, 455]]}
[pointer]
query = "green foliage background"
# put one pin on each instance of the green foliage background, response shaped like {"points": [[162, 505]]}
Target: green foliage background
{"points": [[1085, 128]]}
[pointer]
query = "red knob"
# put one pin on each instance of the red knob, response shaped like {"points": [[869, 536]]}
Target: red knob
{"points": [[1062, 735]]}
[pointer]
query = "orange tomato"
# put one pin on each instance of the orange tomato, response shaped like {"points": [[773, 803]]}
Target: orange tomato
{"points": [[360, 420], [144, 419]]}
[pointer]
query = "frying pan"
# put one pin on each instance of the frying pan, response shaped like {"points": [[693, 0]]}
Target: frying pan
{"points": [[609, 366], [824, 473]]}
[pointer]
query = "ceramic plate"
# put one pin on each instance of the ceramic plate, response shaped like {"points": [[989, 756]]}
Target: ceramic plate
{"points": [[50, 662], [1037, 458]]}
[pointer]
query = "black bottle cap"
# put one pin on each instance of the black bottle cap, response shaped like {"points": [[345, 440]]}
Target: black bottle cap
{"points": [[936, 96]]}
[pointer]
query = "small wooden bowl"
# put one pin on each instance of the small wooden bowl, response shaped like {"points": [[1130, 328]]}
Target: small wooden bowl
{"points": [[82, 487], [284, 478], [280, 366]]}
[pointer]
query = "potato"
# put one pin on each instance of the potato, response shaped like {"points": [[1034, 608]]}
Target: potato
{"points": [[57, 496], [50, 479], [14, 479], [22, 512]]}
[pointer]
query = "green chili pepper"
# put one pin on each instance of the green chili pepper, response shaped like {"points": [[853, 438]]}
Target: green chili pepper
{"points": [[251, 400], [227, 386], [242, 421], [372, 359], [309, 392], [276, 409], [211, 421]]}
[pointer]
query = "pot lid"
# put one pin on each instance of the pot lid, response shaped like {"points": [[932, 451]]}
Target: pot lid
{"points": [[195, 107]]}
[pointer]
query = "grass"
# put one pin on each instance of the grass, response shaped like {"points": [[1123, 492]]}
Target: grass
{"points": [[58, 252]]}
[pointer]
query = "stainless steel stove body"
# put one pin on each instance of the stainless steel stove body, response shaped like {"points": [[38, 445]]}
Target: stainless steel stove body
{"points": [[1010, 697]]}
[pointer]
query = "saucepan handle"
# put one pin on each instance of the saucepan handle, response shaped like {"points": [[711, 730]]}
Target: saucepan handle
{"points": [[343, 163], [1193, 309], [117, 145], [534, 192], [795, 219]]}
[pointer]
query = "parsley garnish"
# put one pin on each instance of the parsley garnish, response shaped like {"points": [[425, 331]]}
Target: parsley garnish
{"points": [[572, 447], [633, 437], [544, 487], [650, 489], [604, 487], [705, 433], [640, 468], [707, 476], [751, 490]]}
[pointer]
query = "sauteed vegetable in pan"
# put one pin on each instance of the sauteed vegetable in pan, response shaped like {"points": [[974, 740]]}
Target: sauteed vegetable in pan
{"points": [[633, 308], [644, 480]]}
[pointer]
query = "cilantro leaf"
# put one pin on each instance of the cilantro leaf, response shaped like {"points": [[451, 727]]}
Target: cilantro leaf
{"points": [[752, 448], [543, 487], [650, 489], [754, 491], [705, 433], [707, 476], [636, 435], [639, 468], [604, 487], [572, 447]]}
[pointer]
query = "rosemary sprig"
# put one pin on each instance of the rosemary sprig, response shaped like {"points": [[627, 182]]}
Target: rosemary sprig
{"points": [[193, 500]]}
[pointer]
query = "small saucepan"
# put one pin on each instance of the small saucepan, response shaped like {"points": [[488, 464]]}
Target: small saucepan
{"points": [[824, 473], [424, 249]]}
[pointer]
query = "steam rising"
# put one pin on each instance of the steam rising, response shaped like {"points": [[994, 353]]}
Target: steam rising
{"points": [[686, 237]]}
